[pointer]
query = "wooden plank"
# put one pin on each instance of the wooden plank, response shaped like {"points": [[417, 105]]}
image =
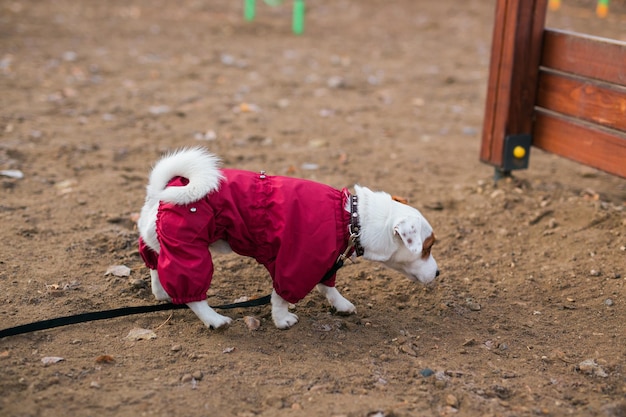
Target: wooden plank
{"points": [[584, 55], [583, 98], [515, 55], [601, 149]]}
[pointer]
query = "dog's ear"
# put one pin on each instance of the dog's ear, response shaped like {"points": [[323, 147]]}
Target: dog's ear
{"points": [[408, 228]]}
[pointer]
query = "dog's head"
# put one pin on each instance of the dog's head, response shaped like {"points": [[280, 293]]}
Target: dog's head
{"points": [[397, 235], [415, 239]]}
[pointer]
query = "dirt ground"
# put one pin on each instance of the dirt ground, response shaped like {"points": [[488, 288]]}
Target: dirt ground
{"points": [[527, 317]]}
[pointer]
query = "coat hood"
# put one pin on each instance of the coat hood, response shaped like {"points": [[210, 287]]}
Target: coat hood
{"points": [[197, 165]]}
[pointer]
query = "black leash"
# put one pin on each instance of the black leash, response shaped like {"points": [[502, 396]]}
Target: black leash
{"points": [[117, 312], [353, 246]]}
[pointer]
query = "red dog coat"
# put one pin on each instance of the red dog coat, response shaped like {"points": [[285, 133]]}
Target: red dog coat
{"points": [[295, 228]]}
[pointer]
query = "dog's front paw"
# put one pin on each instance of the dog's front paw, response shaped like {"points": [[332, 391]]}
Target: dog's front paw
{"points": [[208, 316], [217, 321], [344, 307], [336, 300], [284, 319]]}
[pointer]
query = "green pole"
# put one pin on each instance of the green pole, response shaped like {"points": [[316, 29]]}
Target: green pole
{"points": [[298, 16], [248, 9]]}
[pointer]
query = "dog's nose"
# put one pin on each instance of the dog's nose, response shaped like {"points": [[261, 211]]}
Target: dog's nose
{"points": [[437, 273]]}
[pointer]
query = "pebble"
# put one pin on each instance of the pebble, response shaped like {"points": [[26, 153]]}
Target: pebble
{"points": [[452, 401], [252, 323], [69, 56], [472, 305], [12, 173], [336, 82], [209, 135], [176, 348], [594, 273], [609, 302], [591, 367], [186, 378], [49, 360], [157, 110], [426, 372], [138, 283], [198, 375]]}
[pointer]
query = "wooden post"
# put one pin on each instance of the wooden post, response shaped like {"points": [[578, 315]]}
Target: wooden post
{"points": [[513, 74]]}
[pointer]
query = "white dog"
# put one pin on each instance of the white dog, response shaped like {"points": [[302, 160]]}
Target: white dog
{"points": [[297, 229]]}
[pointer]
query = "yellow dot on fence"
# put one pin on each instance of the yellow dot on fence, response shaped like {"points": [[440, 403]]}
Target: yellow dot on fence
{"points": [[519, 152]]}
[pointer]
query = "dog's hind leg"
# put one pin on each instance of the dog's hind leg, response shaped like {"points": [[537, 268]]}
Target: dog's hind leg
{"points": [[208, 316], [283, 319], [336, 300], [157, 288]]}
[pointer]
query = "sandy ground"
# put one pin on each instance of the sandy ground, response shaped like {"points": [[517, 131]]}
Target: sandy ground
{"points": [[527, 317]]}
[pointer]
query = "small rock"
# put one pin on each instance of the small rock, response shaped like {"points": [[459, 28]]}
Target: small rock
{"points": [[49, 360], [176, 348], [336, 82], [452, 401], [409, 348], [472, 305], [186, 378], [594, 273], [609, 302], [106, 359], [469, 130], [209, 135], [252, 323], [69, 56], [591, 367], [12, 173], [198, 375], [157, 110], [469, 342], [426, 372], [138, 283], [94, 385], [310, 166]]}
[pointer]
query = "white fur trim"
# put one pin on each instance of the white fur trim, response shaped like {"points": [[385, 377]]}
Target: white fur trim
{"points": [[198, 165]]}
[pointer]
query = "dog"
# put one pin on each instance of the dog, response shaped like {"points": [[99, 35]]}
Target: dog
{"points": [[298, 229]]}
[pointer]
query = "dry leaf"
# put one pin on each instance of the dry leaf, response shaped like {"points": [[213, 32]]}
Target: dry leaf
{"points": [[141, 334], [118, 271], [49, 360], [105, 359]]}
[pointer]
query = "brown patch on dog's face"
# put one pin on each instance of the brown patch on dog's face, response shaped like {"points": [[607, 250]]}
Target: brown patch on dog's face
{"points": [[427, 246]]}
